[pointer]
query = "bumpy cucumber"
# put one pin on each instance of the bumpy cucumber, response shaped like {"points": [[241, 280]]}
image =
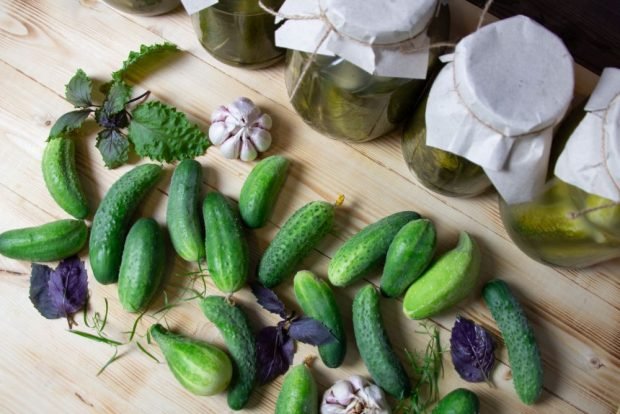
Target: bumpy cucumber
{"points": [[201, 368], [299, 394], [260, 190], [317, 301], [409, 255], [448, 281], [61, 177], [225, 244], [234, 327], [374, 346], [459, 401], [183, 211], [112, 218], [366, 249], [142, 265], [523, 352], [301, 232], [49, 242]]}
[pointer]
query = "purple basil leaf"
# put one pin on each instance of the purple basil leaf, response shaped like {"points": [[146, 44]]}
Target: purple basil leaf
{"points": [[288, 348], [268, 299], [39, 291], [273, 353], [472, 349], [68, 286], [310, 331]]}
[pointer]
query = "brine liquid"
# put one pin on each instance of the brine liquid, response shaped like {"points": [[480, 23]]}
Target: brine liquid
{"points": [[144, 7]]}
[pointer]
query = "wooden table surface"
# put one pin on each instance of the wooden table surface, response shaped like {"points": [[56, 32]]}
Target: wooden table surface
{"points": [[45, 369]]}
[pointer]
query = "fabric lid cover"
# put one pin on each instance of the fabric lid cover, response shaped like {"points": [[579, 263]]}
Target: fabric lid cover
{"points": [[582, 162], [194, 6], [496, 103]]}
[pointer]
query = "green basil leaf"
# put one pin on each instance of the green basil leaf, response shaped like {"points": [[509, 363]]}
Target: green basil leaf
{"points": [[69, 122], [114, 147], [78, 90], [117, 97]]}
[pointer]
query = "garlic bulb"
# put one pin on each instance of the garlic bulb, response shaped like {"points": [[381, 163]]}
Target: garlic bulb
{"points": [[354, 395], [240, 129]]}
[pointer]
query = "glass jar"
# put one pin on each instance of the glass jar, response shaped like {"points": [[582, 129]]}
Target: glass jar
{"points": [[347, 103], [565, 226], [144, 7], [439, 170], [239, 32]]}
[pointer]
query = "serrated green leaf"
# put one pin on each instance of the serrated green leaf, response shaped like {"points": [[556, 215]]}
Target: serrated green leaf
{"points": [[117, 97], [114, 147], [145, 51], [69, 122], [78, 90], [162, 133]]}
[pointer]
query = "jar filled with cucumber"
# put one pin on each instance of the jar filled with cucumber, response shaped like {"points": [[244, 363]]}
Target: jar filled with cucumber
{"points": [[575, 221], [347, 102], [144, 7], [239, 32]]}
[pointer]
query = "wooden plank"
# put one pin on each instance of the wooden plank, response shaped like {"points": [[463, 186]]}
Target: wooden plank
{"points": [[588, 27], [567, 352]]}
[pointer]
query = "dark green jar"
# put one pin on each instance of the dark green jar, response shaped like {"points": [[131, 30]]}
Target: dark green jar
{"points": [[239, 32], [144, 7], [347, 103]]}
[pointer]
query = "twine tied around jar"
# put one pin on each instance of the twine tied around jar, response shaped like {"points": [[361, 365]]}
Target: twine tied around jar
{"points": [[605, 134], [330, 28]]}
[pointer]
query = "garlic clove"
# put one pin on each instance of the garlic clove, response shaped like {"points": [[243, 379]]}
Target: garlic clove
{"points": [[263, 122], [231, 147], [218, 132], [343, 392], [220, 114], [244, 110], [261, 138], [248, 151]]}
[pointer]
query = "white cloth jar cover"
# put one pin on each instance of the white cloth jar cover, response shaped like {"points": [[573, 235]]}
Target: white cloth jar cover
{"points": [[194, 6], [497, 101], [591, 158], [385, 38]]}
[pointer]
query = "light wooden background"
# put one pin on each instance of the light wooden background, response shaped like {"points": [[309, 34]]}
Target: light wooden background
{"points": [[44, 369]]}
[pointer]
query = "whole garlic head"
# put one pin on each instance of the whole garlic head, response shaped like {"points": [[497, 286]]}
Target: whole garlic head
{"points": [[240, 129], [354, 395]]}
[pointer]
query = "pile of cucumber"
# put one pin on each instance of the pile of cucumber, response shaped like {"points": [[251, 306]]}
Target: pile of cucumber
{"points": [[212, 229]]}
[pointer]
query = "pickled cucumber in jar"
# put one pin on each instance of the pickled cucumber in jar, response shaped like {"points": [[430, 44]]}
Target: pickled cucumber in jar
{"points": [[144, 7], [239, 32]]}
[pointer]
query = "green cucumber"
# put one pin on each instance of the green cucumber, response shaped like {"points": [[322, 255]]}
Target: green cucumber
{"points": [[112, 218], [301, 232], [235, 328], [366, 249], [459, 401], [260, 190], [61, 177], [47, 243], [409, 255], [374, 345], [317, 300], [299, 394], [183, 211], [448, 281], [225, 245], [523, 352], [200, 368], [142, 265]]}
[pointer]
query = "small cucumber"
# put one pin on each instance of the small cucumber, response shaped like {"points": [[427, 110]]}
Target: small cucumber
{"points": [[225, 244], [111, 221], [523, 352], [459, 401], [317, 301], [47, 243], [448, 281], [201, 368], [301, 232], [142, 266], [260, 190], [374, 346], [299, 394], [409, 255], [366, 249], [235, 328], [183, 211], [61, 177]]}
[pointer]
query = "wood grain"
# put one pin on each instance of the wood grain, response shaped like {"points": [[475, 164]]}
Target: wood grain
{"points": [[575, 314]]}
